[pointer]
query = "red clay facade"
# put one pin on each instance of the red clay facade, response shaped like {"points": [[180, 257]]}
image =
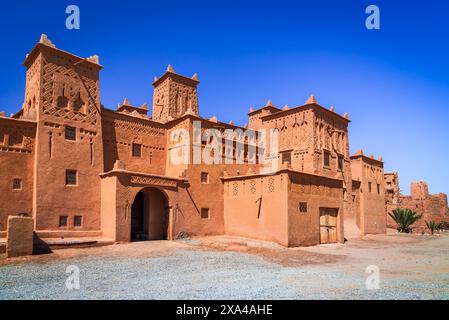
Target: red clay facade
{"points": [[83, 170]]}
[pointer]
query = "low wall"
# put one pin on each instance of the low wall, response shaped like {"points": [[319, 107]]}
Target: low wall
{"points": [[68, 234], [19, 236]]}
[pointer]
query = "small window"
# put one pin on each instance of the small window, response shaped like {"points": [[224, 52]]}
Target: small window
{"points": [[70, 177], [378, 188], [369, 186], [327, 159], [137, 150], [287, 157], [62, 221], [303, 207], [70, 133], [204, 177], [204, 213], [340, 163], [17, 184], [77, 221]]}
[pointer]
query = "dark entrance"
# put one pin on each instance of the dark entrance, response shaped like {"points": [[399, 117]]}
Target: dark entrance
{"points": [[149, 216], [137, 218]]}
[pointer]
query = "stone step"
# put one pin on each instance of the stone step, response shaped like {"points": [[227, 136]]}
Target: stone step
{"points": [[46, 245]]}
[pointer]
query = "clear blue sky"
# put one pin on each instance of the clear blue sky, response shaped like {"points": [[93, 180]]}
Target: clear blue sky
{"points": [[393, 82]]}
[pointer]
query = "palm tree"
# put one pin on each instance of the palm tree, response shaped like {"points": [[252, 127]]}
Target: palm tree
{"points": [[433, 226], [404, 219]]}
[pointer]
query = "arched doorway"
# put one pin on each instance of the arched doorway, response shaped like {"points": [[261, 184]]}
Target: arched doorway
{"points": [[149, 215]]}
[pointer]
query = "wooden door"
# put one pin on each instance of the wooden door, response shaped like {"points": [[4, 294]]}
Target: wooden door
{"points": [[328, 225]]}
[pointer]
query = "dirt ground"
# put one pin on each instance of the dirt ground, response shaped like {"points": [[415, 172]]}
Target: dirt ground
{"points": [[222, 267]]}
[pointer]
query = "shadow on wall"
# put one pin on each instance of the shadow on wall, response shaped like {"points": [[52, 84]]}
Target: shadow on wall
{"points": [[40, 246]]}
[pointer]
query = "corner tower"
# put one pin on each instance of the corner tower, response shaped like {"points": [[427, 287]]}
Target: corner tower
{"points": [[174, 95], [62, 96]]}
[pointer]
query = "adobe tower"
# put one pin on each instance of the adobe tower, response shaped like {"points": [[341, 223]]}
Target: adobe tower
{"points": [[174, 95]]}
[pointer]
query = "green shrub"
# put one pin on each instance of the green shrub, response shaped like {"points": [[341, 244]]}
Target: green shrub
{"points": [[432, 226], [404, 219]]}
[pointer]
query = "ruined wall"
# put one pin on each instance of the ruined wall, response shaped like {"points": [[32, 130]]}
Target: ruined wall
{"points": [[431, 207], [17, 152], [391, 193]]}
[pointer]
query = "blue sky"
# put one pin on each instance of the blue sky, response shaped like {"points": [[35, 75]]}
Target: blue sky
{"points": [[393, 82]]}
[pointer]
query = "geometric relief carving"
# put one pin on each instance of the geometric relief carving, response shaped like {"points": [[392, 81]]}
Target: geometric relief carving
{"points": [[253, 186], [271, 184], [27, 143], [62, 88], [327, 191], [137, 128], [235, 189], [153, 181]]}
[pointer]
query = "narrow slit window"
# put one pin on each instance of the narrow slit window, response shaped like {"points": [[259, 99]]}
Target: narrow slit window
{"points": [[326, 158], [204, 213], [50, 144], [340, 163], [91, 152], [137, 150]]}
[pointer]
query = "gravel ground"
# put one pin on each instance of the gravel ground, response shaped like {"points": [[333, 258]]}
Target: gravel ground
{"points": [[411, 267]]}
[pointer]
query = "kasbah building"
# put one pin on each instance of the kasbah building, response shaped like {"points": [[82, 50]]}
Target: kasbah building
{"points": [[80, 170]]}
